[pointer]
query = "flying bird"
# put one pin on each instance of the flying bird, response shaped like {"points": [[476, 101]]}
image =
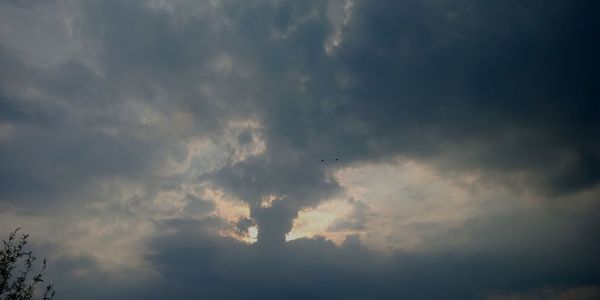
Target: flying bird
{"points": [[336, 159]]}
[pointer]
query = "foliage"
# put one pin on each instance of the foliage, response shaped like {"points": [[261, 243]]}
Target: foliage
{"points": [[18, 281]]}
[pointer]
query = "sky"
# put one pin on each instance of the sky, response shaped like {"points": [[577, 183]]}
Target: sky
{"points": [[326, 149]]}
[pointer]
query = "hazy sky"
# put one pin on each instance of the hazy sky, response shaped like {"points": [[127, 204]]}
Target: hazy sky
{"points": [[401, 149]]}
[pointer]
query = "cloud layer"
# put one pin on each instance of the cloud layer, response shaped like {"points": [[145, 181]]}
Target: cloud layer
{"points": [[413, 149]]}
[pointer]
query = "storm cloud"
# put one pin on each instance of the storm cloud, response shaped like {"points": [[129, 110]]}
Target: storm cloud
{"points": [[304, 149]]}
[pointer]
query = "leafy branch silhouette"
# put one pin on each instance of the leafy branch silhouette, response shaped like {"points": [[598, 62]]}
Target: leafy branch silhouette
{"points": [[18, 281]]}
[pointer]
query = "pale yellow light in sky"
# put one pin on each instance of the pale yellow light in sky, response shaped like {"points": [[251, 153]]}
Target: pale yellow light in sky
{"points": [[401, 203], [316, 221]]}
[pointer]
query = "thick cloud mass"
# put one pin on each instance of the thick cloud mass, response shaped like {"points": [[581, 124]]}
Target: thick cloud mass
{"points": [[146, 144], [318, 269]]}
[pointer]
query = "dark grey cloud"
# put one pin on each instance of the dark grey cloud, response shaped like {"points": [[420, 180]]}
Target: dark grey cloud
{"points": [[510, 83], [195, 263], [494, 81], [301, 183], [122, 88]]}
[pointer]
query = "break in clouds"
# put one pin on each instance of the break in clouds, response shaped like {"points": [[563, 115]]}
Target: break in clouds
{"points": [[304, 149]]}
